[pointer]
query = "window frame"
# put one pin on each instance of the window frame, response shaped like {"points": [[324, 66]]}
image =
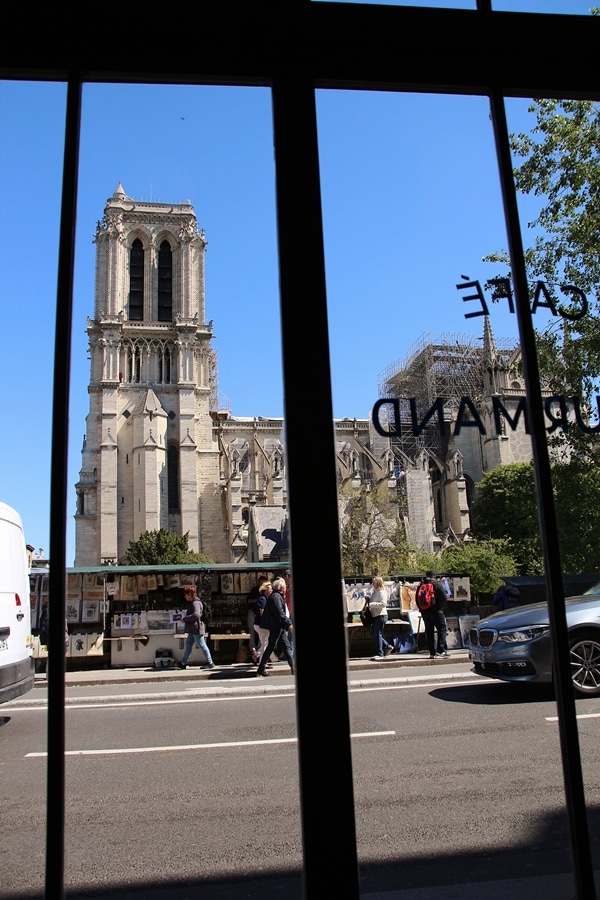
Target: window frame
{"points": [[295, 48]]}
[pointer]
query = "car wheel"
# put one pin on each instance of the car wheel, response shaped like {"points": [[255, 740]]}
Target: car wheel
{"points": [[585, 663]]}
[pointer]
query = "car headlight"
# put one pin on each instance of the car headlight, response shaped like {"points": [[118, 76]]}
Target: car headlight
{"points": [[521, 635]]}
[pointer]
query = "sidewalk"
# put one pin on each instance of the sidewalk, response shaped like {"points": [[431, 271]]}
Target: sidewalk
{"points": [[241, 672]]}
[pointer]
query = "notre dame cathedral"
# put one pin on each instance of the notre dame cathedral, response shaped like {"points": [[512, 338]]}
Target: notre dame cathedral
{"points": [[159, 452]]}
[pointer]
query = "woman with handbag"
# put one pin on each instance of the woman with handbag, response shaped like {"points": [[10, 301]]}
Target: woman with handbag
{"points": [[378, 607]]}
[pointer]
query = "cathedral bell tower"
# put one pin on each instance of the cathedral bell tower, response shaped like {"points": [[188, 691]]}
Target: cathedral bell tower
{"points": [[149, 460]]}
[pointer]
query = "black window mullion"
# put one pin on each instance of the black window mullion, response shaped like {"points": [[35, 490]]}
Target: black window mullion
{"points": [[330, 861], [55, 790], [571, 757]]}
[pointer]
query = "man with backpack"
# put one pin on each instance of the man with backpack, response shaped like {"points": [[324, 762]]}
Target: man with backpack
{"points": [[430, 598]]}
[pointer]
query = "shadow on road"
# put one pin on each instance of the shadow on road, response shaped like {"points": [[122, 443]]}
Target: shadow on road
{"points": [[545, 853], [495, 693]]}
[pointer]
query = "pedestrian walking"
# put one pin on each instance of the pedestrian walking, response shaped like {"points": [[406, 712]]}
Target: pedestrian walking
{"points": [[276, 620], [194, 628], [377, 604], [251, 600], [262, 634]]}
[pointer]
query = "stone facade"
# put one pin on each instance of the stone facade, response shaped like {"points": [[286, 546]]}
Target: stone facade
{"points": [[159, 453], [150, 457]]}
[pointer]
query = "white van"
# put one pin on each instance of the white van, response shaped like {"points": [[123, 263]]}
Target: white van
{"points": [[16, 652]]}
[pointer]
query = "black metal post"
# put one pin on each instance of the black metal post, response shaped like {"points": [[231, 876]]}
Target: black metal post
{"points": [[55, 792], [327, 796]]}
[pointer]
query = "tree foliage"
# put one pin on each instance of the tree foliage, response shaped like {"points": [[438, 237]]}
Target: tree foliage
{"points": [[164, 547], [577, 491], [485, 562], [505, 508]]}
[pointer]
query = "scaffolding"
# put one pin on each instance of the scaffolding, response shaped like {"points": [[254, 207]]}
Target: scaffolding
{"points": [[446, 366]]}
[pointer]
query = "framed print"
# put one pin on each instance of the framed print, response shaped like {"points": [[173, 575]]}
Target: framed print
{"points": [[158, 621], [461, 589], [355, 597], [227, 583], [73, 584], [125, 620], [465, 623], [90, 611], [416, 621], [128, 587], [453, 636], [72, 611]]}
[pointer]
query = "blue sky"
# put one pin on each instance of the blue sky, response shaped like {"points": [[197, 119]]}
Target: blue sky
{"points": [[410, 203]]}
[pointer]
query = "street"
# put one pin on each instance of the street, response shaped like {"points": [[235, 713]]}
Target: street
{"points": [[170, 784]]}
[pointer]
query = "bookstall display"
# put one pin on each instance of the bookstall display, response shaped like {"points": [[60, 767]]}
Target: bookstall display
{"points": [[126, 616]]}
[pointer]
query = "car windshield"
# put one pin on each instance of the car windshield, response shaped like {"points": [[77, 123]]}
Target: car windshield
{"points": [[595, 589]]}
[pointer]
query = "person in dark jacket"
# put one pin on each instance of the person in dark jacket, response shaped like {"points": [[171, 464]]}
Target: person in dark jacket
{"points": [[434, 619], [507, 597], [194, 628], [251, 600], [275, 619]]}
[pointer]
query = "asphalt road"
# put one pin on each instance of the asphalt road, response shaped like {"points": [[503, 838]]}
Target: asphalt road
{"points": [[169, 787]]}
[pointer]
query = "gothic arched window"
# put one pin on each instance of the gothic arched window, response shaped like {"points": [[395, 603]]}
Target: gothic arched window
{"points": [[165, 283], [136, 281], [173, 478]]}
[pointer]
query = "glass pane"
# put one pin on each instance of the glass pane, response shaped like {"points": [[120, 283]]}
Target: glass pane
{"points": [[412, 208], [177, 389], [33, 117], [564, 7], [31, 177]]}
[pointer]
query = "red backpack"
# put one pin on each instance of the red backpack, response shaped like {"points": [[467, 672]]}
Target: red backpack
{"points": [[425, 596]]}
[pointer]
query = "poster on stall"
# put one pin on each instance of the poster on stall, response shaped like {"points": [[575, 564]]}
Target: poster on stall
{"points": [[72, 611], [227, 583], [128, 587], [461, 589], [465, 624], [159, 621], [90, 611], [453, 635]]}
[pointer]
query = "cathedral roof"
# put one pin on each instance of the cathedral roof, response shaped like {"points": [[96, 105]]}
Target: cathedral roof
{"points": [[119, 193]]}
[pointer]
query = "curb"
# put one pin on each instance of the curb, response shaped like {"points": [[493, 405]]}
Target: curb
{"points": [[236, 672]]}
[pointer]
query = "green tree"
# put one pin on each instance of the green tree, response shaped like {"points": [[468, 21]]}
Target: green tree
{"points": [[559, 163], [485, 562], [373, 538], [577, 490], [164, 547], [505, 508]]}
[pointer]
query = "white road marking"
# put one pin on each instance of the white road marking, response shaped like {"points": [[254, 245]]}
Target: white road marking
{"points": [[219, 745], [579, 716]]}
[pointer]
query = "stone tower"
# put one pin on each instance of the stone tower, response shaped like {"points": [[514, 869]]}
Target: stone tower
{"points": [[149, 459]]}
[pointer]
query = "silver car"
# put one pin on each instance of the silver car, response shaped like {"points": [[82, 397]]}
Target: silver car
{"points": [[515, 645]]}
